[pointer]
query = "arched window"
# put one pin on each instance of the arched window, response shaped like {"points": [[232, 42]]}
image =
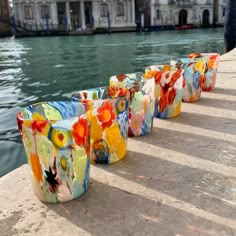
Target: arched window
{"points": [[120, 9], [183, 15], [205, 17], [104, 10], [28, 12], [45, 11]]}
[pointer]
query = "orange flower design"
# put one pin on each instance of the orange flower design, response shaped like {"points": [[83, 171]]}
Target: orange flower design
{"points": [[36, 167], [212, 61], [80, 131], [114, 92], [166, 68], [106, 114], [149, 74]]}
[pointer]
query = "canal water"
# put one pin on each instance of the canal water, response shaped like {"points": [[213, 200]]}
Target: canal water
{"points": [[51, 68]]}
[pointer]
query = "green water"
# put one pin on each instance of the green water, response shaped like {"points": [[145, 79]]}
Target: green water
{"points": [[50, 68]]}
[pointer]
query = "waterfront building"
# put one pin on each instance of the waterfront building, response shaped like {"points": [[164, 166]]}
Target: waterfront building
{"points": [[181, 12], [5, 19], [75, 15]]}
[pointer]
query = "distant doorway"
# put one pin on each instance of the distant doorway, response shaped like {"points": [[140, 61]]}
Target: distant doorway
{"points": [[61, 12], [75, 15], [205, 18], [88, 14], [183, 15]]}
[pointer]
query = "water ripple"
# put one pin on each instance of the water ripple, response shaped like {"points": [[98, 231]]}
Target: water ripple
{"points": [[41, 69]]}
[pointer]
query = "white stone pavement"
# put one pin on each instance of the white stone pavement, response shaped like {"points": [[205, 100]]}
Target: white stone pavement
{"points": [[180, 180]]}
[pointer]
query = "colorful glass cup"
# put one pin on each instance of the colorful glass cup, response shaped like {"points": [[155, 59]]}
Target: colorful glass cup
{"points": [[211, 61], [56, 141], [168, 89], [109, 124], [142, 100], [192, 77]]}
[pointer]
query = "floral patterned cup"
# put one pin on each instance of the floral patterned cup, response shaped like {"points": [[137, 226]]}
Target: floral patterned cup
{"points": [[56, 140], [142, 100], [211, 61], [168, 89], [109, 124], [193, 77]]}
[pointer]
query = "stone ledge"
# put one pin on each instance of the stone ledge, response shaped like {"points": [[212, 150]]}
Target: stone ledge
{"points": [[179, 180]]}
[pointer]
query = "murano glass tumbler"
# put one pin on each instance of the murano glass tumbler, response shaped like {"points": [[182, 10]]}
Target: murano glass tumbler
{"points": [[211, 61], [109, 124], [141, 99], [193, 77], [168, 89], [57, 145]]}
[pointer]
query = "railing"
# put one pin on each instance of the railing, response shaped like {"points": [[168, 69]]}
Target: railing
{"points": [[185, 3], [22, 25], [181, 3]]}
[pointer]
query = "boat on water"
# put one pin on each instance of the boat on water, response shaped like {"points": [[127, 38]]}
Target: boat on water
{"points": [[184, 27], [168, 27], [159, 28]]}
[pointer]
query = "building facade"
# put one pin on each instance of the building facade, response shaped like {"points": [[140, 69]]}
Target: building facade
{"points": [[76, 15], [183, 12], [5, 19], [219, 10]]}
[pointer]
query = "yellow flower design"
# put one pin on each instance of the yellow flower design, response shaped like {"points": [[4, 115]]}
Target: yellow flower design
{"points": [[200, 66], [61, 137], [96, 130], [116, 143]]}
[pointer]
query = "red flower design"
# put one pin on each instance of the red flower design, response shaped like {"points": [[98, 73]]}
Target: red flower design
{"points": [[163, 102], [171, 96], [194, 55], [114, 92], [121, 77], [80, 131], [167, 96], [106, 114], [158, 76], [175, 77], [39, 125]]}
